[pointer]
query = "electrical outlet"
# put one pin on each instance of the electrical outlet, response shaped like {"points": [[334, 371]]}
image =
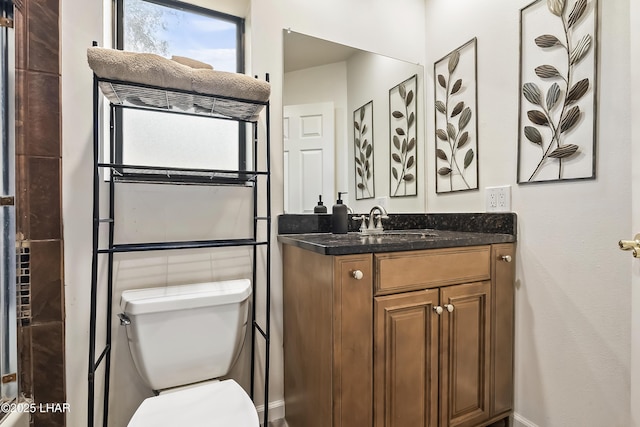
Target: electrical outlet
{"points": [[382, 201], [498, 199]]}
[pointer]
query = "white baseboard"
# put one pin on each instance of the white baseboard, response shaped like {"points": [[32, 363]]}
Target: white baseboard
{"points": [[276, 410], [520, 421]]}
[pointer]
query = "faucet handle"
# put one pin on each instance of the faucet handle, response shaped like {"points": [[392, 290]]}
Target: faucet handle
{"points": [[377, 219], [363, 226]]}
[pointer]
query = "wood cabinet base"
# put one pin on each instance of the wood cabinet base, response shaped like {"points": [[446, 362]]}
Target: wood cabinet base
{"points": [[370, 344]]}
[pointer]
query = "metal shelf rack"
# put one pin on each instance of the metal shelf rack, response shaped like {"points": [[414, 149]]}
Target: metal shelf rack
{"points": [[132, 95]]}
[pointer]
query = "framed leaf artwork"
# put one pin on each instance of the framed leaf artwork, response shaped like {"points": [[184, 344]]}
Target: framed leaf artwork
{"points": [[456, 125], [402, 133], [558, 91], [363, 150]]}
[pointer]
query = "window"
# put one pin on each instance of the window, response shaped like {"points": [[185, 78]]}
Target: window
{"points": [[171, 28]]}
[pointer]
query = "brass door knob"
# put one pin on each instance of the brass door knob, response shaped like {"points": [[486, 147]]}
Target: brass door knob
{"points": [[631, 245]]}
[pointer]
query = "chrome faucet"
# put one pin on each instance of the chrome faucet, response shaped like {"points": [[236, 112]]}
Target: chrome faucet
{"points": [[373, 224]]}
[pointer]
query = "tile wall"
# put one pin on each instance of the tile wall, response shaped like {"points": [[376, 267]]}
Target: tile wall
{"points": [[38, 197]]}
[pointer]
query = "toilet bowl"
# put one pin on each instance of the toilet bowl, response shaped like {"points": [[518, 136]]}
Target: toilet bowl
{"points": [[212, 404], [182, 339]]}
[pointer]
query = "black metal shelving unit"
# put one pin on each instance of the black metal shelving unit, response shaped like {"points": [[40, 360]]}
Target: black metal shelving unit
{"points": [[122, 95]]}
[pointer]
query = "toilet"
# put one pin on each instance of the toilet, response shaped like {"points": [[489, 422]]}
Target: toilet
{"points": [[182, 339]]}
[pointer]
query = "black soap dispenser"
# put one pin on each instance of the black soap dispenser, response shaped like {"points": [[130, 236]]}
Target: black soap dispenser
{"points": [[320, 208], [339, 217]]}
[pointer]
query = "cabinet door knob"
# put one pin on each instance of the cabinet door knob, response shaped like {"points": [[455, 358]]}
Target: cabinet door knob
{"points": [[505, 258], [357, 274], [449, 307], [438, 309]]}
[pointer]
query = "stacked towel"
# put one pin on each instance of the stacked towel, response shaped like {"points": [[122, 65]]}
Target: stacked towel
{"points": [[189, 62], [154, 70], [144, 68]]}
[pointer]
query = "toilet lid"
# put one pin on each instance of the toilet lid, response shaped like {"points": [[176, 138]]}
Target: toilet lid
{"points": [[213, 404]]}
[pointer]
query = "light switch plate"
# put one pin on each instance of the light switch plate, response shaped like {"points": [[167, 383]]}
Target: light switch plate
{"points": [[498, 199]]}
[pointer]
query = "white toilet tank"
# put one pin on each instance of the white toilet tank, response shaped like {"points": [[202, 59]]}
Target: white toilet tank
{"points": [[184, 334]]}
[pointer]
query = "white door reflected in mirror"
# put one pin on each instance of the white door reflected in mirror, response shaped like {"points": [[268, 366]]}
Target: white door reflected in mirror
{"points": [[308, 132]]}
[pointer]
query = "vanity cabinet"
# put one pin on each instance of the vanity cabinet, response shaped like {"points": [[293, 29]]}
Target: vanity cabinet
{"points": [[328, 347], [398, 339]]}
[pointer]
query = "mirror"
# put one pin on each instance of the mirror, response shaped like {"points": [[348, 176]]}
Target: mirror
{"points": [[335, 97]]}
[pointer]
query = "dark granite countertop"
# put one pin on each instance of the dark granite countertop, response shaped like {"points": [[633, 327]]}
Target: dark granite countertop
{"points": [[390, 241], [403, 232]]}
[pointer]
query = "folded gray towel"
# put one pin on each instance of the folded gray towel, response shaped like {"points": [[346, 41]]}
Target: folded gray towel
{"points": [[190, 62], [151, 69]]}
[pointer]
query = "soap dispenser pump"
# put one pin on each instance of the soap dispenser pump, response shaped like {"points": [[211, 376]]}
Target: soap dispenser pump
{"points": [[339, 217], [320, 208]]}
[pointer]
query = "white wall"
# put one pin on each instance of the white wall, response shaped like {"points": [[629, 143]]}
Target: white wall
{"points": [[395, 29], [573, 285], [325, 83], [81, 24], [634, 36]]}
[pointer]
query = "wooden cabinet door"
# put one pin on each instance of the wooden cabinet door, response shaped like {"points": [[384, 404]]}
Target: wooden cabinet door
{"points": [[503, 321], [352, 341], [328, 344], [465, 354], [307, 337], [406, 360]]}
